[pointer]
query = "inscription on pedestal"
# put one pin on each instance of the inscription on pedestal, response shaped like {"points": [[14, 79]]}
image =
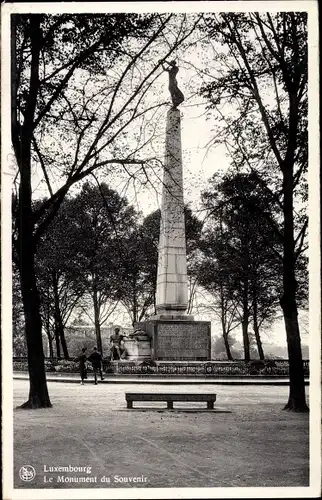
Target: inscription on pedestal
{"points": [[183, 341]]}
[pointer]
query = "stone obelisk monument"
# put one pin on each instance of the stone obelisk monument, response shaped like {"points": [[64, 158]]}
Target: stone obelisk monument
{"points": [[172, 287], [174, 335]]}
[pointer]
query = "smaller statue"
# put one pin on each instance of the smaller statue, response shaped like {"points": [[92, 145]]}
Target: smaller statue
{"points": [[176, 94], [138, 333]]}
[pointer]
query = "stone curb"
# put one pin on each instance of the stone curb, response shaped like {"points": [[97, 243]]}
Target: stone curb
{"points": [[173, 381]]}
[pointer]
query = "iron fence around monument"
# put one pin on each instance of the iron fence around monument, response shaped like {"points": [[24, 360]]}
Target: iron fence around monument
{"points": [[239, 368], [277, 368]]}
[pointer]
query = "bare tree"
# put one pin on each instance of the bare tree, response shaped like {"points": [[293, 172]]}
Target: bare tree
{"points": [[267, 132], [65, 124]]}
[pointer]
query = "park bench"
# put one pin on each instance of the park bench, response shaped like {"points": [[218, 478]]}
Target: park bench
{"points": [[170, 398]]}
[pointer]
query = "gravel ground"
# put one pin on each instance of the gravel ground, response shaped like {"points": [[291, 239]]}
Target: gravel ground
{"points": [[252, 443]]}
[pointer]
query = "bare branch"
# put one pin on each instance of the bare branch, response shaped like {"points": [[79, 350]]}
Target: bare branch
{"points": [[300, 238], [42, 164]]}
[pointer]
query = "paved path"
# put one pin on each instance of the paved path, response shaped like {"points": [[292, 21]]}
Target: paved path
{"points": [[123, 379], [255, 444]]}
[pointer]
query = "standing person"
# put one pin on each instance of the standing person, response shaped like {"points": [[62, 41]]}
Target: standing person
{"points": [[82, 365], [96, 359]]}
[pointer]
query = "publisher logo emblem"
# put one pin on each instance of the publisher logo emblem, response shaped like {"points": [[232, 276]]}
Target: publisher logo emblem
{"points": [[27, 473]]}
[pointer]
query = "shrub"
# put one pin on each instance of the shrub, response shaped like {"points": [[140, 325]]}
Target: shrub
{"points": [[107, 367], [67, 366], [49, 365], [254, 367], [148, 362], [148, 366], [20, 366], [127, 367]]}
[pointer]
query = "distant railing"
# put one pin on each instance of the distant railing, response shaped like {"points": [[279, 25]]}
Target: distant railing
{"points": [[270, 367]]}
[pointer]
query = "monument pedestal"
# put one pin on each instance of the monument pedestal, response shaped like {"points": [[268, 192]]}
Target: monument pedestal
{"points": [[178, 340], [138, 348], [174, 336]]}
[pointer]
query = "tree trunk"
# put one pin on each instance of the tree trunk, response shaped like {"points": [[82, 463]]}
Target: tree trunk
{"points": [[227, 347], [296, 401], [245, 321], [256, 329], [63, 339], [258, 341], [134, 306], [59, 325], [97, 320], [38, 392], [245, 293], [50, 339], [59, 329], [223, 324], [245, 337], [57, 340], [50, 343]]}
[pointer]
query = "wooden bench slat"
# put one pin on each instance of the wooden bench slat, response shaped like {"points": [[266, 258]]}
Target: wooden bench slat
{"points": [[170, 398]]}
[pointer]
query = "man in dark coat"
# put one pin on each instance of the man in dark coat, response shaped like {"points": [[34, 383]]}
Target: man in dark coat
{"points": [[96, 359]]}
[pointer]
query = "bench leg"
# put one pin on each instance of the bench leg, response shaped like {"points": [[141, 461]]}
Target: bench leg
{"points": [[129, 404], [170, 405], [210, 405]]}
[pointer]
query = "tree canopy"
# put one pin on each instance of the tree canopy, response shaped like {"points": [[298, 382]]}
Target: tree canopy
{"points": [[86, 100], [263, 77]]}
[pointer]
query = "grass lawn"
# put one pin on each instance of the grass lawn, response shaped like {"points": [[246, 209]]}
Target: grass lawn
{"points": [[255, 444]]}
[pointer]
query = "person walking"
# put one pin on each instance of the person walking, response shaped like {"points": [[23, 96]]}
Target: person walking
{"points": [[96, 359], [82, 365]]}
